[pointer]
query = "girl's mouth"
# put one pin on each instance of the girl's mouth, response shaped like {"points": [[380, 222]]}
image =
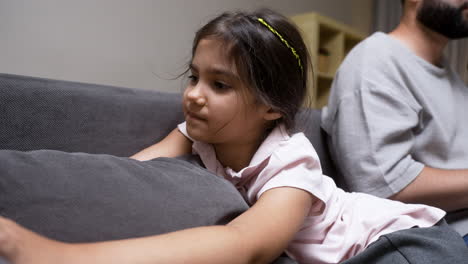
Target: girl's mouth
{"points": [[194, 117]]}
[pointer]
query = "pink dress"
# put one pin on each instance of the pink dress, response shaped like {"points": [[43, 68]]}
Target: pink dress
{"points": [[339, 226]]}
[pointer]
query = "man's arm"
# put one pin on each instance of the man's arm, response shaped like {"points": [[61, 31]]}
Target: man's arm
{"points": [[173, 145], [446, 189]]}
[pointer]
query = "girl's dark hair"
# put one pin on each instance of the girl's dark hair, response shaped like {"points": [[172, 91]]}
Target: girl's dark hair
{"points": [[265, 64]]}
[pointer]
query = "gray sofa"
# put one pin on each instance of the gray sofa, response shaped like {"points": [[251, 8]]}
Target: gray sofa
{"points": [[64, 170]]}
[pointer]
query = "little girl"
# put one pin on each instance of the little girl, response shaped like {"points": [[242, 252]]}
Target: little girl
{"points": [[248, 80]]}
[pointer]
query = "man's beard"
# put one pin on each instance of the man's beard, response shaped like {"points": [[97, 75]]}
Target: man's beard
{"points": [[444, 18]]}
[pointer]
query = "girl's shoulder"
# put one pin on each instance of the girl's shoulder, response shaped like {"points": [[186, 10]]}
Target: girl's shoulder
{"points": [[297, 144], [281, 143]]}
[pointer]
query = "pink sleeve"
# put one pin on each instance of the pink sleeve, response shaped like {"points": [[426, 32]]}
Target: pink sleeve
{"points": [[183, 129], [296, 165]]}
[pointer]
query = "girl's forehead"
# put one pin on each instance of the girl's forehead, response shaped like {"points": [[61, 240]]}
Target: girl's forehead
{"points": [[214, 54]]}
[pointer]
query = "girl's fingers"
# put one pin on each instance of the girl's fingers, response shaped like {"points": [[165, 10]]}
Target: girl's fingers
{"points": [[7, 237]]}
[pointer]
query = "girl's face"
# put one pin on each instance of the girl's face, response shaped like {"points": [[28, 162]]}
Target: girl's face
{"points": [[218, 107]]}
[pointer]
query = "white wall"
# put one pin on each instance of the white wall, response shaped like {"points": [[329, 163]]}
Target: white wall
{"points": [[130, 43]]}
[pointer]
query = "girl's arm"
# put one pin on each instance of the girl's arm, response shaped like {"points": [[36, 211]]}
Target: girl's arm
{"points": [[257, 236], [173, 145]]}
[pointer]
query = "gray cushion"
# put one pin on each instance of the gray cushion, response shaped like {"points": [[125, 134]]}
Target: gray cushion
{"points": [[80, 197]]}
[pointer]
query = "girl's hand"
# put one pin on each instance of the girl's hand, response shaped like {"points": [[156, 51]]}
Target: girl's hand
{"points": [[173, 145], [21, 246]]}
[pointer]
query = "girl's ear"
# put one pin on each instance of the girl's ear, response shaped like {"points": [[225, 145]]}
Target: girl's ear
{"points": [[271, 115]]}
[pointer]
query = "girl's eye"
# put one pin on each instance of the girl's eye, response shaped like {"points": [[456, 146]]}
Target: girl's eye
{"points": [[193, 78], [221, 86]]}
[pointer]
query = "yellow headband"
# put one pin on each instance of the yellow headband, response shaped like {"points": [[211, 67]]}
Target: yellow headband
{"points": [[261, 20]]}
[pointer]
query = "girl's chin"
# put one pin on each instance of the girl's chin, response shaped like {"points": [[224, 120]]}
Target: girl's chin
{"points": [[195, 133], [201, 136]]}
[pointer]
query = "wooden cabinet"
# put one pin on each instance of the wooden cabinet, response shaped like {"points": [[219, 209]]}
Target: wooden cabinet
{"points": [[328, 42]]}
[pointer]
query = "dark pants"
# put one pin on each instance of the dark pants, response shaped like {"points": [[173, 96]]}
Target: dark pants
{"points": [[438, 245]]}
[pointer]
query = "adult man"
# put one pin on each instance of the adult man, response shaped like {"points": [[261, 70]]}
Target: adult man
{"points": [[397, 114]]}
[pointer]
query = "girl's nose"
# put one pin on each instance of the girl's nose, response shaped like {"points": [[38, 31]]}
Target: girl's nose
{"points": [[195, 94]]}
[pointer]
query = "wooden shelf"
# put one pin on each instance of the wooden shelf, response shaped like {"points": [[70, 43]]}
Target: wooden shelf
{"points": [[328, 42]]}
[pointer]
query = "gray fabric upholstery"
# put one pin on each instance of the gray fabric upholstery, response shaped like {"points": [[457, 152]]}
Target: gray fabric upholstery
{"points": [[79, 197], [438, 244], [39, 113]]}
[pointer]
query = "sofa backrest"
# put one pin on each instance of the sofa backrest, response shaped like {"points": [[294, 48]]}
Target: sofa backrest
{"points": [[39, 113]]}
